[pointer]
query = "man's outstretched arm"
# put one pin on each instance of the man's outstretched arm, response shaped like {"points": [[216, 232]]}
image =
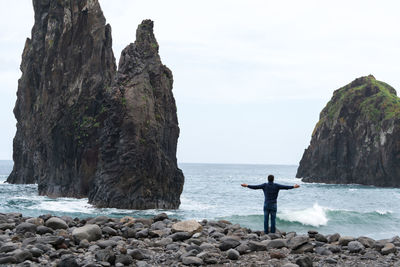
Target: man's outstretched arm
{"points": [[280, 186], [260, 186]]}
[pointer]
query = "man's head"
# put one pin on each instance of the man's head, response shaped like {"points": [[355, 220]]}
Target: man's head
{"points": [[270, 178]]}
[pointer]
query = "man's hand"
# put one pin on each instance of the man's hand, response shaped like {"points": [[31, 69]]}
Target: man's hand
{"points": [[296, 186], [244, 185]]}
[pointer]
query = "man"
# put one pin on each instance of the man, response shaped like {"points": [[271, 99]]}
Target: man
{"points": [[271, 191]]}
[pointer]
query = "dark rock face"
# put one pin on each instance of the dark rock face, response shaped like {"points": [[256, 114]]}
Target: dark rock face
{"points": [[85, 130], [357, 139], [65, 67], [138, 166]]}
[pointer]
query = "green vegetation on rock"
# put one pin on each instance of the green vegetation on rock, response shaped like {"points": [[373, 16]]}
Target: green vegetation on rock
{"points": [[365, 97]]}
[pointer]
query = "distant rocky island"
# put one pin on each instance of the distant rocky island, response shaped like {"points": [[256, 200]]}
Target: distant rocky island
{"points": [[85, 129], [357, 139]]}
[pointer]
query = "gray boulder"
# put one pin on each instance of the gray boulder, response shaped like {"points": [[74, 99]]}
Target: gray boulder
{"points": [[229, 243], [56, 223], [388, 248], [233, 254], [355, 246], [304, 261], [345, 240], [192, 261], [91, 232], [9, 246], [333, 238], [321, 238], [297, 241], [276, 243], [26, 227]]}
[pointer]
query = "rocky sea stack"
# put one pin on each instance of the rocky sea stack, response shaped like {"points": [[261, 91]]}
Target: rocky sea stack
{"points": [[357, 139], [85, 129]]}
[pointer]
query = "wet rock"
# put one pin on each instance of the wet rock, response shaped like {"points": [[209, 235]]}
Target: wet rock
{"points": [[233, 254], [91, 232], [56, 223], [323, 251]]}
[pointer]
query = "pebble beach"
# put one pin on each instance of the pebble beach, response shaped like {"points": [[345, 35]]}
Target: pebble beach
{"points": [[48, 240]]}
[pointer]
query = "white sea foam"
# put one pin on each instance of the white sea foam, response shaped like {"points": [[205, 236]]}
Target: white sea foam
{"points": [[315, 216], [190, 204], [384, 212], [63, 204]]}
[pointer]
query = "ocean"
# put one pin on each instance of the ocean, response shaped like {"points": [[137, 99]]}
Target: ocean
{"points": [[213, 192]]}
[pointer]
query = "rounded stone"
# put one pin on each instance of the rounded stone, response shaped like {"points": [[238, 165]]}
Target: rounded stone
{"points": [[91, 232], [56, 223], [233, 254], [355, 246]]}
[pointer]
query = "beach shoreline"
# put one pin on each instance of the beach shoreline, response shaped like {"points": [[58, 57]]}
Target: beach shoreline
{"points": [[48, 240]]}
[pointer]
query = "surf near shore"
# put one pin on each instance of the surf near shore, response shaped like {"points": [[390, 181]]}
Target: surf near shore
{"points": [[162, 241]]}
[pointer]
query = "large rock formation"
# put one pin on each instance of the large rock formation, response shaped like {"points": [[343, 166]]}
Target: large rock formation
{"points": [[85, 130], [138, 150], [357, 139]]}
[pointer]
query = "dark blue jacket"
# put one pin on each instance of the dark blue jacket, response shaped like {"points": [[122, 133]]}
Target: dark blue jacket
{"points": [[271, 190]]}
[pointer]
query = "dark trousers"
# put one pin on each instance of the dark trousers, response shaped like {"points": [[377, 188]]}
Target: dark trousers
{"points": [[270, 209]]}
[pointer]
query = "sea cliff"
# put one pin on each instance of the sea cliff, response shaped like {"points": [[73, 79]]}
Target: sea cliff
{"points": [[85, 129], [357, 138]]}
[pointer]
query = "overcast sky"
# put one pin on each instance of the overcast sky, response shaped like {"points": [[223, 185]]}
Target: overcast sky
{"points": [[250, 77]]}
